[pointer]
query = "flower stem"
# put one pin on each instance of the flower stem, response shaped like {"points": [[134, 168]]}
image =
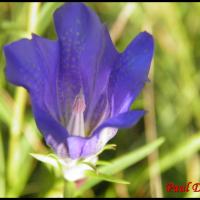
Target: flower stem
{"points": [[17, 121], [151, 135], [69, 188], [2, 168], [15, 132], [121, 21]]}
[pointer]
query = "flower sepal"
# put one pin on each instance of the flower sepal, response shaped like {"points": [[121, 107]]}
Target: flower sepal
{"points": [[77, 169], [71, 170], [50, 160], [107, 147]]}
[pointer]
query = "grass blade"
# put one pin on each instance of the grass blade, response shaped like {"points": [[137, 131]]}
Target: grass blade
{"points": [[122, 163]]}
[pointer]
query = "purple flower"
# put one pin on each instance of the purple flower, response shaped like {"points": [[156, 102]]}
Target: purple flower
{"points": [[81, 88]]}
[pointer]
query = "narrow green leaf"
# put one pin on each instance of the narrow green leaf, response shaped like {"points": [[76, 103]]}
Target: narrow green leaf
{"points": [[5, 107], [2, 169], [21, 169], [181, 152], [176, 155], [131, 158], [45, 16], [103, 163], [105, 177], [122, 163]]}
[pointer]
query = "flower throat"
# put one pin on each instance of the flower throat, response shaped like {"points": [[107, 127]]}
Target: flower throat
{"points": [[75, 126]]}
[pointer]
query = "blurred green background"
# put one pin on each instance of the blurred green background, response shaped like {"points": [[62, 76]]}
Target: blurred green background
{"points": [[172, 99]]}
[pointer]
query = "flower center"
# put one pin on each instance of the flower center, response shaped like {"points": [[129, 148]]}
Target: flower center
{"points": [[75, 126]]}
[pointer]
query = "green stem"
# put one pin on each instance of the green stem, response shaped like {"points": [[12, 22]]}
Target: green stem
{"points": [[2, 168], [15, 132], [69, 188], [17, 121], [151, 135]]}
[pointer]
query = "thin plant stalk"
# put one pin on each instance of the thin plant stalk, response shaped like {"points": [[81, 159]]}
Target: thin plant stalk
{"points": [[2, 169], [151, 135], [121, 21], [20, 101]]}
